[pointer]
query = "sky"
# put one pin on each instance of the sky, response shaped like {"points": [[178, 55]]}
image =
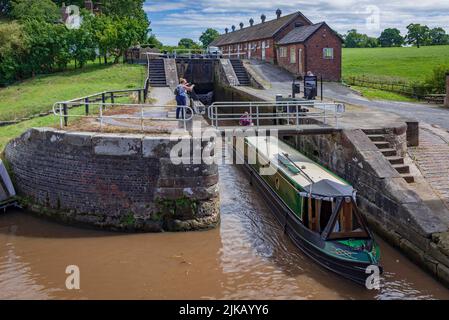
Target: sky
{"points": [[172, 20]]}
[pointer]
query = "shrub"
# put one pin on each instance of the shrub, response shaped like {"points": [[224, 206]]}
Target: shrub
{"points": [[437, 81]]}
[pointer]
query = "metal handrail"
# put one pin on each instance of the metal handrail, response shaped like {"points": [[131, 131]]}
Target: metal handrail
{"points": [[60, 109], [269, 110]]}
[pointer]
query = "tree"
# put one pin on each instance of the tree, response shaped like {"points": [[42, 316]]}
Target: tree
{"points": [[417, 34], [208, 37], [123, 8], [43, 10], [12, 52], [438, 36], [186, 43], [81, 45], [49, 46], [391, 37], [154, 42], [353, 39]]}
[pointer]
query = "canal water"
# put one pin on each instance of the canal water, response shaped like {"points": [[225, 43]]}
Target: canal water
{"points": [[247, 257]]}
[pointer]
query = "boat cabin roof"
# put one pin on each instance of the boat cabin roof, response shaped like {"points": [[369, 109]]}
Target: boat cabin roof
{"points": [[301, 170]]}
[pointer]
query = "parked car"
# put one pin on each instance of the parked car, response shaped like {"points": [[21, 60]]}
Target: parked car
{"points": [[214, 52]]}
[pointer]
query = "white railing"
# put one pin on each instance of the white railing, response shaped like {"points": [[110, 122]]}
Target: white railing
{"points": [[288, 112], [62, 110]]}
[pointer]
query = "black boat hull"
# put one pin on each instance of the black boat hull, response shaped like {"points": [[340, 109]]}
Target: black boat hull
{"points": [[298, 233]]}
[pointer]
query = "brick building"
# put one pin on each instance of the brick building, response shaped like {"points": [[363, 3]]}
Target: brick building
{"points": [[292, 42]]}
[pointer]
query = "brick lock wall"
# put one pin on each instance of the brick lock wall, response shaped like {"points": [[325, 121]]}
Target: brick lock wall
{"points": [[110, 181]]}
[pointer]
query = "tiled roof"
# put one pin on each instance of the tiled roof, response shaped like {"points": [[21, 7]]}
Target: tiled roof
{"points": [[300, 34], [259, 31]]}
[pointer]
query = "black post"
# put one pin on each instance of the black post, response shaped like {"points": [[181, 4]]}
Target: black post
{"points": [[103, 100], [86, 103], [64, 110], [112, 97], [321, 88], [140, 95]]}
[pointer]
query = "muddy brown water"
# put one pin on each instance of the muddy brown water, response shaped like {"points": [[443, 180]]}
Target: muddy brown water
{"points": [[247, 257]]}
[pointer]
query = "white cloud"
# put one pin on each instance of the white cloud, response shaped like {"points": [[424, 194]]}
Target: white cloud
{"points": [[341, 15]]}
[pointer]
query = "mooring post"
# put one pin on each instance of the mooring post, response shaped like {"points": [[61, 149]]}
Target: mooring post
{"points": [[64, 109], [86, 104]]}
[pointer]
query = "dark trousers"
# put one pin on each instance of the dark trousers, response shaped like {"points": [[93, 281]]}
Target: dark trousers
{"points": [[181, 101]]}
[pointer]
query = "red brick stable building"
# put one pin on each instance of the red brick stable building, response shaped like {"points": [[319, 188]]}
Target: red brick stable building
{"points": [[292, 42]]}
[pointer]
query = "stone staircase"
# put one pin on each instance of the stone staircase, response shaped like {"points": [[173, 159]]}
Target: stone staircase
{"points": [[240, 71], [392, 156], [156, 70]]}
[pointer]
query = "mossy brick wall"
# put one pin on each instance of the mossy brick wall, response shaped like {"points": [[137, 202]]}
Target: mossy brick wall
{"points": [[120, 182]]}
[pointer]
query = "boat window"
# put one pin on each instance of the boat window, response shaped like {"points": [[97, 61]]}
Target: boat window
{"points": [[348, 223], [318, 217]]}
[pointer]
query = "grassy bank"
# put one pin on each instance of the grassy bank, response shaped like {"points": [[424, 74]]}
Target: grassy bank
{"points": [[408, 64], [39, 94]]}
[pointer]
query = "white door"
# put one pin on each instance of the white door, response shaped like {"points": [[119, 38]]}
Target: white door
{"points": [[263, 50], [250, 48]]}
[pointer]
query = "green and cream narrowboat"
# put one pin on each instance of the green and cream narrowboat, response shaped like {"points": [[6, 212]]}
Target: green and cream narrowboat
{"points": [[317, 208]]}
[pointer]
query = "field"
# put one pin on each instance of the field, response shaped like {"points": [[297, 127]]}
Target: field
{"points": [[409, 64], [38, 95]]}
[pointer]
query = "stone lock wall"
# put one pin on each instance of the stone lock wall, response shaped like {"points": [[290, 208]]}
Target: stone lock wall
{"points": [[117, 182]]}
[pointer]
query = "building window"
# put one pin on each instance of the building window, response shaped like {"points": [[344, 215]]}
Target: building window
{"points": [[328, 53], [283, 52], [292, 55]]}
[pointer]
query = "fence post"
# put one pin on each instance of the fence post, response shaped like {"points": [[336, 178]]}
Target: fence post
{"points": [[86, 103], [103, 99], [112, 97], [64, 108]]}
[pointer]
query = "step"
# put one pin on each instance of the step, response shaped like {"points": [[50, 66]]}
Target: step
{"points": [[158, 85], [382, 145], [402, 169], [376, 137], [395, 160], [389, 152], [409, 178]]}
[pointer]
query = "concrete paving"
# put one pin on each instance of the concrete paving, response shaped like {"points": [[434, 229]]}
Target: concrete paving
{"points": [[280, 83]]}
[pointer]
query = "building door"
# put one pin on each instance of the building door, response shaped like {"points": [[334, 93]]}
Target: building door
{"points": [[250, 48], [300, 60], [264, 54]]}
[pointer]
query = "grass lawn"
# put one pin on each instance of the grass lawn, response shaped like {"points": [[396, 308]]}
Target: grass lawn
{"points": [[409, 64], [39, 94], [382, 95], [9, 132]]}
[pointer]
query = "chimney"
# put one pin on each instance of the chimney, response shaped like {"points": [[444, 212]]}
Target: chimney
{"points": [[233, 28], [263, 18], [278, 13], [226, 30], [241, 25], [251, 22]]}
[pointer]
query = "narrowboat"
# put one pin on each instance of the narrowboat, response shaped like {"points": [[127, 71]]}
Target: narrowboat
{"points": [[316, 208]]}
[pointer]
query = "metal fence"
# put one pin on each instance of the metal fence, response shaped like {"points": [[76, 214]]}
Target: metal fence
{"points": [[294, 113], [96, 105]]}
